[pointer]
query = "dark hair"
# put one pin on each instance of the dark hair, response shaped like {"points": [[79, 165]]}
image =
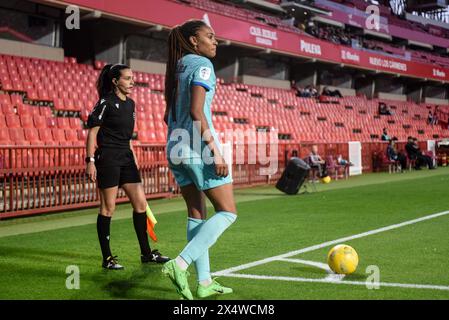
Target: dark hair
{"points": [[109, 72], [179, 45]]}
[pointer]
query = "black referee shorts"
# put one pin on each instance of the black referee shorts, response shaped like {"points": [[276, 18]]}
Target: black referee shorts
{"points": [[115, 168]]}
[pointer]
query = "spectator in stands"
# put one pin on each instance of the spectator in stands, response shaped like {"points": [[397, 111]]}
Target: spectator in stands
{"points": [[435, 119], [113, 164], [343, 162], [423, 159], [384, 109], [394, 155], [189, 90], [385, 136], [415, 153], [295, 86], [308, 92], [331, 93], [430, 117], [315, 161]]}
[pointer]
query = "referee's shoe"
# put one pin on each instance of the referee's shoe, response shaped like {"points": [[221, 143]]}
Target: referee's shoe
{"points": [[111, 263], [154, 256]]}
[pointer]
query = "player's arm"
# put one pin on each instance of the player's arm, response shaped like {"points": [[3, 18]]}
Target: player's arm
{"points": [[167, 110], [94, 121], [199, 118], [91, 170], [134, 153]]}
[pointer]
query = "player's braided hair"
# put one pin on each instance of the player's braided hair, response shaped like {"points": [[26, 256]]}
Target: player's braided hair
{"points": [[178, 45]]}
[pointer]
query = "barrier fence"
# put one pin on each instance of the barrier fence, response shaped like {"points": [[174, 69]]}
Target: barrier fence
{"points": [[43, 179]]}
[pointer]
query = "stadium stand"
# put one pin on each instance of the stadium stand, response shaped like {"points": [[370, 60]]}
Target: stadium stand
{"points": [[236, 106], [43, 109]]}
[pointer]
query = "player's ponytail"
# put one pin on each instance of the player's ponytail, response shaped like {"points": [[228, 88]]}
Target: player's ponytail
{"points": [[178, 45], [109, 72]]}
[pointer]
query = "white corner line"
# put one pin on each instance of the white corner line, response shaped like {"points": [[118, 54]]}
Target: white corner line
{"points": [[326, 244], [337, 281]]}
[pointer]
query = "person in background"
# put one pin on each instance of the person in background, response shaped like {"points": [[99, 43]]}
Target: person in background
{"points": [[394, 155], [430, 117], [315, 161], [385, 136]]}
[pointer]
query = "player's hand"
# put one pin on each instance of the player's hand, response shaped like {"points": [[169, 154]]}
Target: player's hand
{"points": [[221, 168], [91, 171]]}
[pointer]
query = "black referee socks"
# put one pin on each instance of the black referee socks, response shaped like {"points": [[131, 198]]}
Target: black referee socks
{"points": [[103, 230], [140, 226]]}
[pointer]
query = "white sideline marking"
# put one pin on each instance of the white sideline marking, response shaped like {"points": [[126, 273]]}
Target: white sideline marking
{"points": [[228, 271], [358, 283]]}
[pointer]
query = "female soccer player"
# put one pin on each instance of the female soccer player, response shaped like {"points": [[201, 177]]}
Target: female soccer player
{"points": [[113, 164], [197, 164]]}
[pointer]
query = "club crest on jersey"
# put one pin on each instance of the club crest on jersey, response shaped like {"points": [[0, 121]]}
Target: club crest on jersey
{"points": [[117, 105], [205, 73]]}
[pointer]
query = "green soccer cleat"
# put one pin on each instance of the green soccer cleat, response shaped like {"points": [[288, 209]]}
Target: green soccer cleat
{"points": [[213, 289], [178, 277]]}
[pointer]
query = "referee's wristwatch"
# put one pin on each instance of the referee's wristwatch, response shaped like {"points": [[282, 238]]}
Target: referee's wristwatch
{"points": [[90, 159]]}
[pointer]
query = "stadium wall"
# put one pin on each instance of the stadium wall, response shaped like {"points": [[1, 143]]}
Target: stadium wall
{"points": [[264, 82], [259, 35], [147, 66], [30, 50]]}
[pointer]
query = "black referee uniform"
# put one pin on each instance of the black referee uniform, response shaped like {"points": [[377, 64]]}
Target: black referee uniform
{"points": [[114, 158]]}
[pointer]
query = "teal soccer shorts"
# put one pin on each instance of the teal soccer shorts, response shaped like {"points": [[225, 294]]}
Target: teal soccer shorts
{"points": [[198, 173]]}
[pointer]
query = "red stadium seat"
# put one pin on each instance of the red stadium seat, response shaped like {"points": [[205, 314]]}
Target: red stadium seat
{"points": [[46, 137], [16, 100], [63, 123], [58, 134], [71, 135], [26, 121], [75, 123], [5, 99], [82, 135], [4, 136], [12, 121], [84, 115], [18, 137], [51, 123], [59, 104], [59, 137], [40, 122], [7, 108], [32, 135], [2, 121], [45, 111]]}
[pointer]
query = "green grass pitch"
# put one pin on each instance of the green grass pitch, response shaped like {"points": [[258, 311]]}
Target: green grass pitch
{"points": [[413, 260]]}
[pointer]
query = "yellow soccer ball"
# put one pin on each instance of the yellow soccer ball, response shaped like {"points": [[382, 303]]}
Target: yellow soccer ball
{"points": [[342, 259], [326, 179]]}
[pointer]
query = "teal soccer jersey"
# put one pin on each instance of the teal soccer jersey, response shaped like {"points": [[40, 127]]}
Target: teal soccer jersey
{"points": [[184, 144], [191, 70]]}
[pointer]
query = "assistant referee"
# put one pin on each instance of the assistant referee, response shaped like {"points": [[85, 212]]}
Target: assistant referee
{"points": [[113, 163]]}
